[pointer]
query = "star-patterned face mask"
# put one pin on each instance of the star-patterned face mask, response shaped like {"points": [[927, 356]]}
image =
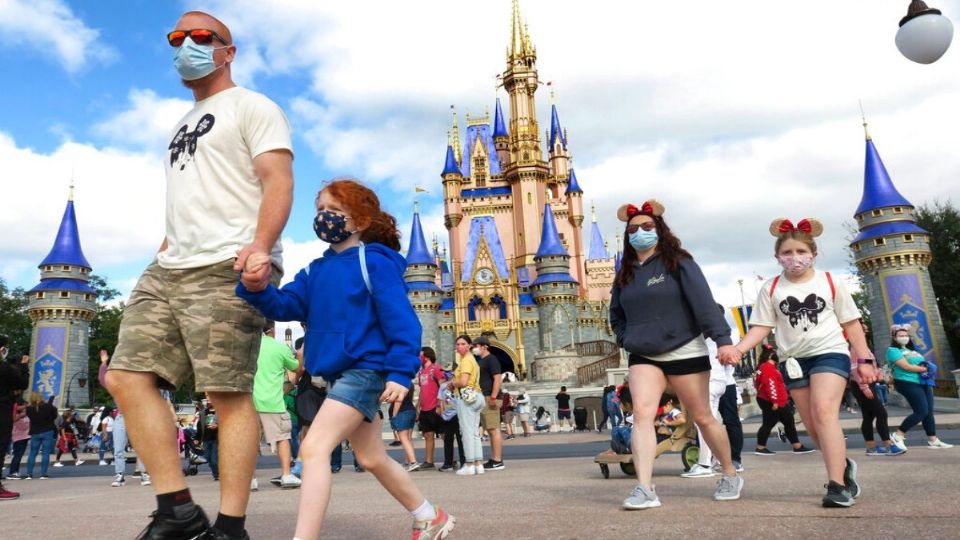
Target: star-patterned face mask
{"points": [[331, 227]]}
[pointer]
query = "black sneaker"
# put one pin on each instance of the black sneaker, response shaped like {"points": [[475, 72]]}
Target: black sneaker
{"points": [[168, 527], [764, 452], [426, 466], [850, 478], [276, 480], [837, 496], [802, 450], [395, 443], [214, 533], [492, 465], [136, 474], [446, 467]]}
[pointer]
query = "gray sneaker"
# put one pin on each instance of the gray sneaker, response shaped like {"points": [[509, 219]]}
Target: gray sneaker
{"points": [[850, 478], [728, 489], [641, 498]]}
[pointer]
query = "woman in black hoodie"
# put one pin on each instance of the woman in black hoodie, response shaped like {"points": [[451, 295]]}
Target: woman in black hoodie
{"points": [[661, 310]]}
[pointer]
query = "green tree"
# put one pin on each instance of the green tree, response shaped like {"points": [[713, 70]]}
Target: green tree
{"points": [[104, 331], [942, 221], [14, 322]]}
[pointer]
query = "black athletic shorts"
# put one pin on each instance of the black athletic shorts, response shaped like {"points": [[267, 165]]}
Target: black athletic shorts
{"points": [[430, 422], [687, 366]]}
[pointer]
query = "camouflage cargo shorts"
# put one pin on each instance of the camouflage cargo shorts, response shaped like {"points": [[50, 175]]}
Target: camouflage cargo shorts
{"points": [[183, 321]]}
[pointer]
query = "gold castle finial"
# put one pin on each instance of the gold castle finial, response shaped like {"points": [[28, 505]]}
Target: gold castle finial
{"points": [[520, 45], [866, 132], [436, 245], [456, 135], [593, 211]]}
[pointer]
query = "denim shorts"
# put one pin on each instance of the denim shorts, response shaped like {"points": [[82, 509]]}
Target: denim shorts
{"points": [[360, 389], [836, 363], [404, 420]]}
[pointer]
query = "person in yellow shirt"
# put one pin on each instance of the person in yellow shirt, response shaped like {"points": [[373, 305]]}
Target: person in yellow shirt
{"points": [[466, 379]]}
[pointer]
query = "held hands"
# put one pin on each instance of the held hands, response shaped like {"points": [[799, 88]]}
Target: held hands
{"points": [[393, 393], [256, 268], [729, 355]]}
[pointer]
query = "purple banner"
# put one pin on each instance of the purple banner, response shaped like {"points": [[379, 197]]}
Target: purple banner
{"points": [[905, 298]]}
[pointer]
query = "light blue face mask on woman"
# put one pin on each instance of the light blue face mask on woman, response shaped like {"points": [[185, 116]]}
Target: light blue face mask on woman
{"points": [[195, 61], [642, 240]]}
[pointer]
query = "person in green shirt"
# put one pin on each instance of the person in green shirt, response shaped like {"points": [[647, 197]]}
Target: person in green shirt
{"points": [[272, 365]]}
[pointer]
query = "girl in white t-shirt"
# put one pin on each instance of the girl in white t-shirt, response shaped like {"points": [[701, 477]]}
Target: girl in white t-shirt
{"points": [[813, 315]]}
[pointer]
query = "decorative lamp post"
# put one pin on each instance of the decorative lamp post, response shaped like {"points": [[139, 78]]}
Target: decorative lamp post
{"points": [[924, 34], [82, 380]]}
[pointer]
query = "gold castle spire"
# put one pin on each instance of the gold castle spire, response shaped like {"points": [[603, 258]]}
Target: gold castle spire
{"points": [[520, 45], [866, 132], [456, 136]]}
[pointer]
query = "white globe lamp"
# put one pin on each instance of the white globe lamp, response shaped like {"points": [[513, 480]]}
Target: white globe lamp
{"points": [[924, 34]]}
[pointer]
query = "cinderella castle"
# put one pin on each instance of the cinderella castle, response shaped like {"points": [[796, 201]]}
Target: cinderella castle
{"points": [[517, 271]]}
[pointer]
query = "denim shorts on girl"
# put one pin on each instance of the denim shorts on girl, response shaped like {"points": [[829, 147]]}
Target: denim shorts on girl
{"points": [[360, 389], [404, 420], [836, 363]]}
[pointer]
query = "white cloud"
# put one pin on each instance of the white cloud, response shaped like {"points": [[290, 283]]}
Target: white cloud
{"points": [[51, 27], [119, 202], [146, 124]]}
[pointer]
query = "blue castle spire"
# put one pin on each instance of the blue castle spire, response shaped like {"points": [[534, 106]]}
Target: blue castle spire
{"points": [[598, 251], [572, 185], [417, 252], [499, 125], [555, 130], [66, 248], [450, 166], [549, 238], [878, 189]]}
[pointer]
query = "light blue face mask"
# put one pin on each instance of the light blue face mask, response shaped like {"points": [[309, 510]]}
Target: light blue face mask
{"points": [[195, 61], [642, 240]]}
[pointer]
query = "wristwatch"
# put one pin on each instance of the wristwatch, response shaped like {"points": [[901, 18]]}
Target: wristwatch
{"points": [[865, 361]]}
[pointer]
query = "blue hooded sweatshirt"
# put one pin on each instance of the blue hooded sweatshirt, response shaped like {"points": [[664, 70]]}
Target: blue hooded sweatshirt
{"points": [[347, 326]]}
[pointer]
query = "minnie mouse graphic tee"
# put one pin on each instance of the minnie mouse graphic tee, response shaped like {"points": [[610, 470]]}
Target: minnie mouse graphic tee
{"points": [[806, 316], [213, 192]]}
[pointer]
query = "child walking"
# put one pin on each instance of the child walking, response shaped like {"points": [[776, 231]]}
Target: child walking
{"points": [[363, 337], [811, 311]]}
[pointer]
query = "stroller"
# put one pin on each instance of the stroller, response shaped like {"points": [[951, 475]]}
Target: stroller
{"points": [[580, 419], [683, 440]]}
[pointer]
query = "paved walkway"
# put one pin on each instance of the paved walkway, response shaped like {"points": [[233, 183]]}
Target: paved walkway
{"points": [[545, 499]]}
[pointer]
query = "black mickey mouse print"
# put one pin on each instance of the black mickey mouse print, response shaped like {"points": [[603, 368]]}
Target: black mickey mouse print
{"points": [[184, 143], [803, 313]]}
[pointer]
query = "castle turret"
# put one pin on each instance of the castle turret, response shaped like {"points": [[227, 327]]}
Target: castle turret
{"points": [[559, 156], [501, 137], [555, 291], [61, 308], [452, 185], [421, 276], [893, 255]]}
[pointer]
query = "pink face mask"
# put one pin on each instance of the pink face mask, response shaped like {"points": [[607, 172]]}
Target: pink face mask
{"points": [[795, 265]]}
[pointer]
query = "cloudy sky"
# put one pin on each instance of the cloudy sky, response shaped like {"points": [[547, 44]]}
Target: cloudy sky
{"points": [[731, 113]]}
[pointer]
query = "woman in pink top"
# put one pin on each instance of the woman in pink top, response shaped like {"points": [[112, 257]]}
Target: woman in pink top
{"points": [[21, 436]]}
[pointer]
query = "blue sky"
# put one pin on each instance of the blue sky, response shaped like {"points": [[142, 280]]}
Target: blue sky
{"points": [[730, 116]]}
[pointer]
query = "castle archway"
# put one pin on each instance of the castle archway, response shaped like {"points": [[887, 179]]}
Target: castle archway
{"points": [[507, 356]]}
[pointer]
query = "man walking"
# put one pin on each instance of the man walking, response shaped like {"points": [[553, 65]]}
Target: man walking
{"points": [[429, 379], [229, 191], [14, 377], [490, 381], [272, 366]]}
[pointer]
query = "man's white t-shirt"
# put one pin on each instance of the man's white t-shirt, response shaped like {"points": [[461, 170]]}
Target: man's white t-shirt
{"points": [[806, 316], [213, 192]]}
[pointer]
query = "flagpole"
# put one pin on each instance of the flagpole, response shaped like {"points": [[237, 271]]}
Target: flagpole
{"points": [[743, 315]]}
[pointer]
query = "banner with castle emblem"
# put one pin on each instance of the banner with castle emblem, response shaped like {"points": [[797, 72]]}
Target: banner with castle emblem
{"points": [[904, 296], [48, 368]]}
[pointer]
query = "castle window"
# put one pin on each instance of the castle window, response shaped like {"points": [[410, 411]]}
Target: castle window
{"points": [[897, 210], [529, 198], [88, 297], [66, 268], [877, 213], [40, 295], [908, 238], [64, 294], [856, 247], [879, 241]]}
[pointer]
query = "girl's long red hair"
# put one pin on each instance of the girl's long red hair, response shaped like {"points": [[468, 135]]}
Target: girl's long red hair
{"points": [[364, 206]]}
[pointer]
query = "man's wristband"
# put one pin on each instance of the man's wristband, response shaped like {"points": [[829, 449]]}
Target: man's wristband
{"points": [[861, 361]]}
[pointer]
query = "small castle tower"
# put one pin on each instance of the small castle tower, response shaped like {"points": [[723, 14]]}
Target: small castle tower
{"points": [[555, 291], [421, 279], [892, 254], [61, 308]]}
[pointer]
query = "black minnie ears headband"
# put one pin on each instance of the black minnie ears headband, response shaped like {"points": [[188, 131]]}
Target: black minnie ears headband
{"points": [[652, 208], [810, 226]]}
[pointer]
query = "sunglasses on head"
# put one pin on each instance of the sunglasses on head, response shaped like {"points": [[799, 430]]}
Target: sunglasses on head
{"points": [[647, 226], [200, 36]]}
